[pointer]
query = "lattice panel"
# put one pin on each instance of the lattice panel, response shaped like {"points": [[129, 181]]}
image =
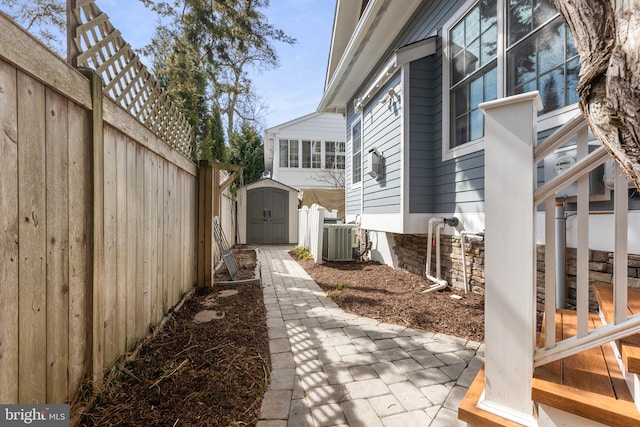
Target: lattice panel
{"points": [[127, 81]]}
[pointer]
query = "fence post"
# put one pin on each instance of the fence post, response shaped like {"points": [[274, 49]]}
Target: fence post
{"points": [[72, 24], [205, 224], [510, 257], [316, 225], [95, 233]]}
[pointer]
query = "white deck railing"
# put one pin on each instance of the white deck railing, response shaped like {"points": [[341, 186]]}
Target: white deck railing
{"points": [[546, 195], [511, 203]]}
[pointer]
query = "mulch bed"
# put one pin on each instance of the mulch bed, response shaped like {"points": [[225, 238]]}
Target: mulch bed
{"points": [[212, 374], [393, 296]]}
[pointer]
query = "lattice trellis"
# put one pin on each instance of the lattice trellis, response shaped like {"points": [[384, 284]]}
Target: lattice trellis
{"points": [[101, 47]]}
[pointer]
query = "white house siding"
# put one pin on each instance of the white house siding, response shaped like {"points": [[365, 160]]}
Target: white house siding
{"points": [[312, 127]]}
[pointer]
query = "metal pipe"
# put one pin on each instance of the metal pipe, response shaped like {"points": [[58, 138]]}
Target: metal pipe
{"points": [[438, 283]]}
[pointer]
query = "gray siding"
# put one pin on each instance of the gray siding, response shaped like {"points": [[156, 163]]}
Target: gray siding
{"points": [[382, 131], [435, 186]]}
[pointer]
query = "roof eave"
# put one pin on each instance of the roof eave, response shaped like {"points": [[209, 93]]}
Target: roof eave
{"points": [[372, 38]]}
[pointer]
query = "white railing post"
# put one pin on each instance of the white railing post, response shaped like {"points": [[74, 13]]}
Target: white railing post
{"points": [[510, 256]]}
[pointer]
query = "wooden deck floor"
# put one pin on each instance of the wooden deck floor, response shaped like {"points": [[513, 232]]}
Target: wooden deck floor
{"points": [[589, 384]]}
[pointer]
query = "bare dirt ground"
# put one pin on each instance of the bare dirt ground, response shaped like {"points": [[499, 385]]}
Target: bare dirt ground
{"points": [[216, 373]]}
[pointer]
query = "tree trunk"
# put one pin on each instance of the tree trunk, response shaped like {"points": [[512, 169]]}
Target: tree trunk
{"points": [[607, 36]]}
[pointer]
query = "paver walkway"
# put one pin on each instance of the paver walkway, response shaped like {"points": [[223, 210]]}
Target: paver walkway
{"points": [[331, 368]]}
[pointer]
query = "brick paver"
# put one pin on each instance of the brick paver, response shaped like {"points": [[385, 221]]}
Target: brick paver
{"points": [[331, 368]]}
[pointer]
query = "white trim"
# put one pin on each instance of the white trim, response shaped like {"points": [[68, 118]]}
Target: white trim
{"points": [[387, 222], [358, 184], [405, 140], [471, 146], [401, 57], [507, 413], [416, 223]]}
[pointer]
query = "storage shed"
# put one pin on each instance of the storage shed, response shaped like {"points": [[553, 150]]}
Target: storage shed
{"points": [[268, 213]]}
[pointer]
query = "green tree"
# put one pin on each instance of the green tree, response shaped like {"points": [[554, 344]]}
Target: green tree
{"points": [[178, 70], [228, 38], [45, 18], [246, 149], [607, 36]]}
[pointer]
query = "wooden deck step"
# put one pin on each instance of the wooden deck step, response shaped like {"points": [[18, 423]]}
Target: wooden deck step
{"points": [[629, 347], [589, 384], [474, 416]]}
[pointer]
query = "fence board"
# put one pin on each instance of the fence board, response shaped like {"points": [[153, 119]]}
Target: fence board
{"points": [[57, 229], [148, 246], [96, 229], [132, 242], [79, 197], [175, 256], [8, 234], [122, 281], [105, 216], [140, 266], [26, 53], [32, 237], [110, 240]]}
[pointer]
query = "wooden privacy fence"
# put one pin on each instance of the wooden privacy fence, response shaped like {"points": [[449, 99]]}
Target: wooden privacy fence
{"points": [[98, 232]]}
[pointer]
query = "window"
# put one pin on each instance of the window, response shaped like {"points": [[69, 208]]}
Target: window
{"points": [[541, 54], [311, 154], [288, 153], [356, 150], [334, 155], [532, 49], [474, 76]]}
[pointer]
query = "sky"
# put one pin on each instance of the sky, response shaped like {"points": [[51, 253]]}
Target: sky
{"points": [[292, 90]]}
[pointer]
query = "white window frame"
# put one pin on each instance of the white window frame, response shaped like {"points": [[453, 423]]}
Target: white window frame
{"points": [[546, 121], [335, 155], [357, 120], [289, 142]]}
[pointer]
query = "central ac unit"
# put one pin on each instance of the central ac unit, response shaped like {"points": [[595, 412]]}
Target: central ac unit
{"points": [[338, 241]]}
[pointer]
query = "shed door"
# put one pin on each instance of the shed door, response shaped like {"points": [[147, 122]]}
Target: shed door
{"points": [[267, 215]]}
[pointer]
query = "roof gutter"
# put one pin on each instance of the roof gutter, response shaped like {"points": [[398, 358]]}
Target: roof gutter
{"points": [[369, 42]]}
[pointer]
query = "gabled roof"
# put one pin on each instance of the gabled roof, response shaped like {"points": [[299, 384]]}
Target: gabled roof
{"points": [[358, 45]]}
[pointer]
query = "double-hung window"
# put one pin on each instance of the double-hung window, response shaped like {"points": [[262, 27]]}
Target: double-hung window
{"points": [[311, 154], [288, 153], [541, 54], [333, 155], [356, 152], [487, 57], [474, 71]]}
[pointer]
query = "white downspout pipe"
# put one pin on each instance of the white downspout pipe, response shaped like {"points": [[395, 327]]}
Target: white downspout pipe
{"points": [[438, 283]]}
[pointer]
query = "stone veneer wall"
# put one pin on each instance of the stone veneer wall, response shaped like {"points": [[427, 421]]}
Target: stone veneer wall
{"points": [[411, 250]]}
